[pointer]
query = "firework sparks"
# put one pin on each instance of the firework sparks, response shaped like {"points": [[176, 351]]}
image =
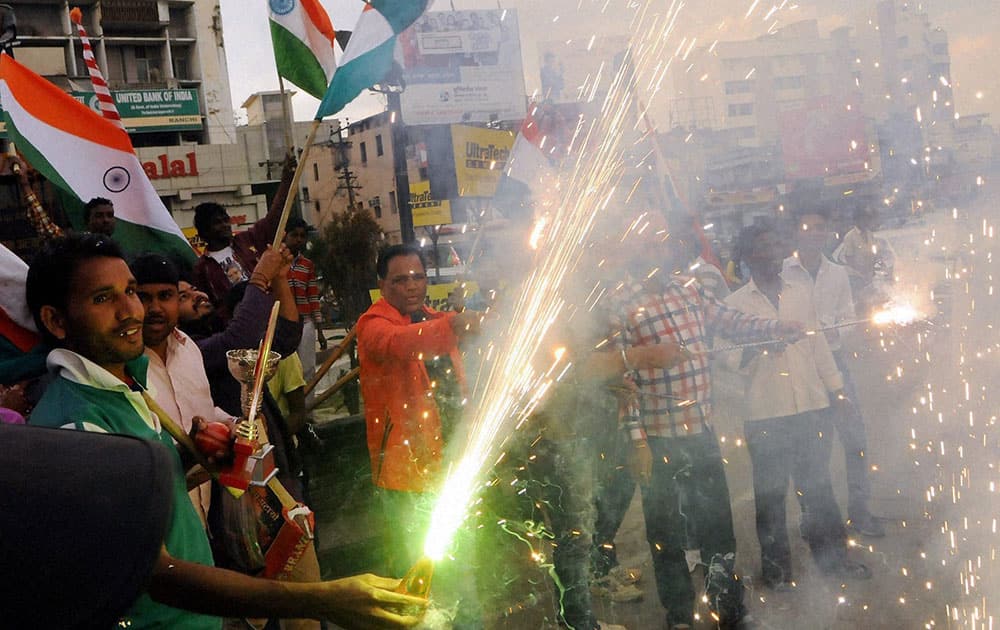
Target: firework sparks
{"points": [[513, 387]]}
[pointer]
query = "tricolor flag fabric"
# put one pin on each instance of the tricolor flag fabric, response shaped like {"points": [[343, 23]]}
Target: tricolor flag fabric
{"points": [[106, 103], [535, 157], [86, 156], [22, 355], [369, 53], [304, 42]]}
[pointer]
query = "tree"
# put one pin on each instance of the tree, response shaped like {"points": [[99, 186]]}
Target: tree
{"points": [[345, 253]]}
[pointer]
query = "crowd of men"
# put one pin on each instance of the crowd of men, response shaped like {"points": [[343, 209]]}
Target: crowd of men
{"points": [[129, 337]]}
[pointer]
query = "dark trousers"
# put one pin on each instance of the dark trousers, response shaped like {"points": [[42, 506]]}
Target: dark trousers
{"points": [[850, 425], [615, 489], [686, 506], [563, 475], [795, 447]]}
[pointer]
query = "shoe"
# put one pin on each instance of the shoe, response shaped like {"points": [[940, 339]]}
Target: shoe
{"points": [[626, 575], [724, 589], [779, 586], [618, 593], [848, 570], [867, 525]]}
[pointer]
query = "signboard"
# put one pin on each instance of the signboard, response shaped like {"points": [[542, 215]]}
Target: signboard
{"points": [[463, 66], [823, 137], [480, 159], [427, 211], [145, 111]]}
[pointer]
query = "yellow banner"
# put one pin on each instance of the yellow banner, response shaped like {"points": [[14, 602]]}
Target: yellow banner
{"points": [[427, 211], [480, 159]]}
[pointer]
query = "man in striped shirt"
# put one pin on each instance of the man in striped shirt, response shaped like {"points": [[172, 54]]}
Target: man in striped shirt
{"points": [[676, 455], [302, 278]]}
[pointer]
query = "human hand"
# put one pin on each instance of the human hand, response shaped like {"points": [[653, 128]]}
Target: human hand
{"points": [[790, 332], [213, 439], [270, 264], [466, 323], [19, 168], [640, 462], [370, 601], [657, 355]]}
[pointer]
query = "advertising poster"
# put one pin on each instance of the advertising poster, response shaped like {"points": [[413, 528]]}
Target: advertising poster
{"points": [[463, 67], [480, 159]]}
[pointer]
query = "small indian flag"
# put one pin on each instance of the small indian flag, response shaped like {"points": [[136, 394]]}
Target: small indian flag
{"points": [[86, 156], [368, 56], [304, 41]]}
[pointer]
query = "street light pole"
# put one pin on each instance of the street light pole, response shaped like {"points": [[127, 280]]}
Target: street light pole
{"points": [[399, 165]]}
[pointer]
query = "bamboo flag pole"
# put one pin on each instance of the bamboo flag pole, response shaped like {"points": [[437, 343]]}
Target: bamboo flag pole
{"points": [[336, 387], [293, 190], [330, 360]]}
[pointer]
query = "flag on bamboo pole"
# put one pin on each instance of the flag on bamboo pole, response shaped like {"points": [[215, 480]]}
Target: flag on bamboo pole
{"points": [[86, 156], [22, 355], [368, 56], [104, 100], [304, 43]]}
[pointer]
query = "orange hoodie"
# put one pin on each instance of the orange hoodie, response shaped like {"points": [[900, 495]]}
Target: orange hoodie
{"points": [[404, 429]]}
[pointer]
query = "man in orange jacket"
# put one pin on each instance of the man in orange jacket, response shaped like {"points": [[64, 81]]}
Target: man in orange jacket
{"points": [[413, 383]]}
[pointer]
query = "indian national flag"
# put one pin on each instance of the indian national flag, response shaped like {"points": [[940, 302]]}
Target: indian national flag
{"points": [[304, 41], [86, 156], [368, 56], [533, 168]]}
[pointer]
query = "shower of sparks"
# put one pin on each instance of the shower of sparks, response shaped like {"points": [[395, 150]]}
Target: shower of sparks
{"points": [[896, 315], [513, 387]]}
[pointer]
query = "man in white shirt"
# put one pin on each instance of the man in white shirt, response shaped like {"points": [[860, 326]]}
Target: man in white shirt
{"points": [[786, 386], [835, 305], [176, 370]]}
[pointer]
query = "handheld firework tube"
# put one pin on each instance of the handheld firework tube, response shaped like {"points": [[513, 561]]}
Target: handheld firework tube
{"points": [[237, 477], [417, 581]]}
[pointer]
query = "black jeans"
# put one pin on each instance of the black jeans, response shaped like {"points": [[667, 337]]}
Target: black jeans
{"points": [[686, 506], [850, 426], [564, 480], [795, 447]]}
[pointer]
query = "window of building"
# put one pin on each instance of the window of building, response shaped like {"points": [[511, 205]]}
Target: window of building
{"points": [[788, 83], [738, 87], [364, 153], [903, 41], [940, 49], [376, 205], [317, 207], [147, 64], [392, 202], [315, 172], [745, 133], [740, 109], [305, 193], [379, 150]]}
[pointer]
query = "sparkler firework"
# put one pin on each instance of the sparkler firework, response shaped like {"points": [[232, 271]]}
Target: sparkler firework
{"points": [[513, 388]]}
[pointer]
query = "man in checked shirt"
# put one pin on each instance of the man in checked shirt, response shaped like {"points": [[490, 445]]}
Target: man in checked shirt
{"points": [[685, 498]]}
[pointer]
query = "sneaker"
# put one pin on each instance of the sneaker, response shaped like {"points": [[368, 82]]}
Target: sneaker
{"points": [[848, 570], [626, 575], [779, 586], [724, 589], [867, 525], [618, 593]]}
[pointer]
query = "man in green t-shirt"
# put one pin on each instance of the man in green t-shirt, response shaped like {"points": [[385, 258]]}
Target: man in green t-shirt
{"points": [[83, 298]]}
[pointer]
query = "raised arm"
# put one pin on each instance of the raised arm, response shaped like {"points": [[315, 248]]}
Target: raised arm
{"points": [[362, 601]]}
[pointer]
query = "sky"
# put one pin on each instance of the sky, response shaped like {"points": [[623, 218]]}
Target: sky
{"points": [[971, 25]]}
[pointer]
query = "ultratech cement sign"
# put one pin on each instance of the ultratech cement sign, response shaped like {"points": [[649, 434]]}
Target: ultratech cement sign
{"points": [[480, 159], [145, 111]]}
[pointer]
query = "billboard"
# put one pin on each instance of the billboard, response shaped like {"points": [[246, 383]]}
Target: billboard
{"points": [[823, 137], [428, 211], [144, 111], [480, 159], [463, 66]]}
